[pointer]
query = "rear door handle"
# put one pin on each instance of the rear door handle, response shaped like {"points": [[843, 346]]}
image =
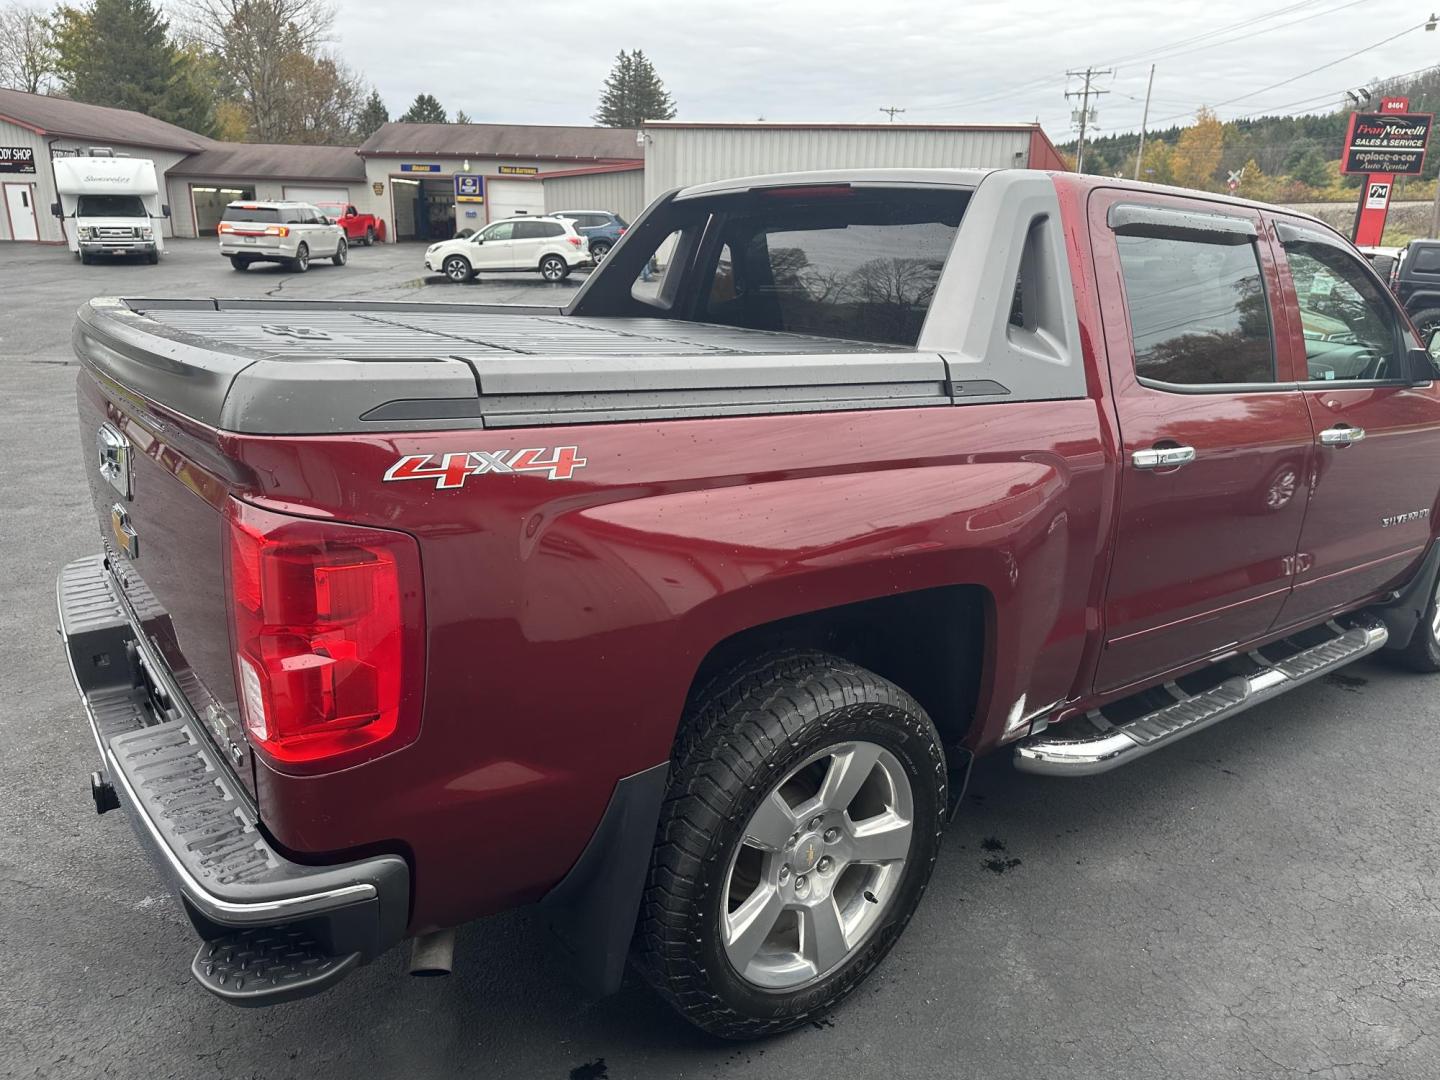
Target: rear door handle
{"points": [[1341, 436], [1169, 457]]}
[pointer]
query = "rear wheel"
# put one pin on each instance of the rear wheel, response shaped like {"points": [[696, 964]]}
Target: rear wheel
{"points": [[369, 235], [599, 249], [457, 268], [239, 262], [554, 268], [342, 253], [301, 262], [801, 825]]}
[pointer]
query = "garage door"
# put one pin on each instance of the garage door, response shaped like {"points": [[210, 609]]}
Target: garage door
{"points": [[331, 200], [509, 198]]}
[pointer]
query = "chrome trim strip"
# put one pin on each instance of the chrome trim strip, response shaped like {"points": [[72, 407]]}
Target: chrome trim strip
{"points": [[1052, 754], [227, 912]]}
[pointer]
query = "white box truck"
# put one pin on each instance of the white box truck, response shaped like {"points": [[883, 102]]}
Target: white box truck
{"points": [[109, 205]]}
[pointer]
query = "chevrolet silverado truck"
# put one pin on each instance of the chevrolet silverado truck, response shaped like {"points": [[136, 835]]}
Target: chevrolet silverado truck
{"points": [[682, 610]]}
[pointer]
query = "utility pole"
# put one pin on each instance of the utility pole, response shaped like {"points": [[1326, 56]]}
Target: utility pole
{"points": [[1144, 119], [1085, 95], [892, 110]]}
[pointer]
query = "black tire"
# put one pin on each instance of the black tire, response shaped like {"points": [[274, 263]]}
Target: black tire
{"points": [[1426, 321], [342, 253], [745, 733], [85, 258], [301, 262], [599, 249], [369, 235], [239, 262], [1423, 652], [457, 268], [554, 268], [154, 258]]}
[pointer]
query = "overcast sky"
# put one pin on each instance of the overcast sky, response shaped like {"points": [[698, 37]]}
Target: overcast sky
{"points": [[543, 61]]}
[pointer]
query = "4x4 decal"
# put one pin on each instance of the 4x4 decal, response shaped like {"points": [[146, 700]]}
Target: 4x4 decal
{"points": [[452, 470]]}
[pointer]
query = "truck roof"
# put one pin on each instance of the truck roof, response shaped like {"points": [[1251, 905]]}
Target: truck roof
{"points": [[105, 175]]}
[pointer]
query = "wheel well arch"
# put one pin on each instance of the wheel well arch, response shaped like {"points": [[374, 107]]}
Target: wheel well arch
{"points": [[929, 642]]}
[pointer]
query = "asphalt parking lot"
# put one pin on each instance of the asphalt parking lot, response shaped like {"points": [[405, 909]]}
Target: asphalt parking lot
{"points": [[1262, 900]]}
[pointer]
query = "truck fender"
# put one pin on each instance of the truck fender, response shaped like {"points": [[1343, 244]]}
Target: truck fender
{"points": [[1403, 615]]}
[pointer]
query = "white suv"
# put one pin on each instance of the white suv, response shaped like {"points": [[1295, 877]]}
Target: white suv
{"points": [[544, 244], [284, 232]]}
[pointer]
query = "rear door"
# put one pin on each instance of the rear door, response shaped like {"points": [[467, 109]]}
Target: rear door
{"points": [[528, 241], [1377, 456], [1216, 437]]}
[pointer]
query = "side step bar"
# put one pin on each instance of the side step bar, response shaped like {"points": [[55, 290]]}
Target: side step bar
{"points": [[1101, 746]]}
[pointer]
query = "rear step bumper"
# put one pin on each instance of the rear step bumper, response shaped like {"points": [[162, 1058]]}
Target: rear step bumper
{"points": [[274, 929], [1105, 746]]}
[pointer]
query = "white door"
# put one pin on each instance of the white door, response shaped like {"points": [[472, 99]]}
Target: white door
{"points": [[20, 206], [508, 197], [493, 253]]}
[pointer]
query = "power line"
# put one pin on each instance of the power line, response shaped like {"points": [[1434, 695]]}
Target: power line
{"points": [[892, 110], [1164, 55], [1084, 95], [1153, 53]]}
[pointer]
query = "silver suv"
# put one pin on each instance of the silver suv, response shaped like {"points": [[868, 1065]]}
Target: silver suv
{"points": [[284, 232]]}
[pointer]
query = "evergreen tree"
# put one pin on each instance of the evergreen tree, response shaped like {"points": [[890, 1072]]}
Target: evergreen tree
{"points": [[462, 117], [1309, 168], [372, 115], [119, 53], [633, 93], [425, 109]]}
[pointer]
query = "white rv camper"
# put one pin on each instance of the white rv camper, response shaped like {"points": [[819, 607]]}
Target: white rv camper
{"points": [[110, 205]]}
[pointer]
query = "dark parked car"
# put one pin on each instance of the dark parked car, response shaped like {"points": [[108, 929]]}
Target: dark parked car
{"points": [[1418, 285], [603, 228]]}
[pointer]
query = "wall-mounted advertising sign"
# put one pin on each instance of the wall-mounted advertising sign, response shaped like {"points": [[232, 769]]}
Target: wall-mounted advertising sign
{"points": [[17, 159], [410, 166], [469, 188], [518, 170], [1386, 143]]}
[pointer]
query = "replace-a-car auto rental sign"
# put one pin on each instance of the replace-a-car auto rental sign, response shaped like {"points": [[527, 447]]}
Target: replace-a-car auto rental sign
{"points": [[1386, 143]]}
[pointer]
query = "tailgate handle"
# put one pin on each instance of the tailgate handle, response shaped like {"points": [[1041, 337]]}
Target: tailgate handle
{"points": [[113, 449]]}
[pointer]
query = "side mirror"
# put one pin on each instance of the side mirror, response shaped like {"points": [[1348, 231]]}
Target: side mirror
{"points": [[165, 209], [1423, 362], [56, 210]]}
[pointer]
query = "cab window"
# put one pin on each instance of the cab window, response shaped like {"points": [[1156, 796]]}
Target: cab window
{"points": [[1350, 327], [1198, 312]]}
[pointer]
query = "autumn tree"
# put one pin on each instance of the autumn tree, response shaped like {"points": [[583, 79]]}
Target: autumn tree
{"points": [[323, 100], [425, 109], [1197, 154], [633, 93], [27, 52]]}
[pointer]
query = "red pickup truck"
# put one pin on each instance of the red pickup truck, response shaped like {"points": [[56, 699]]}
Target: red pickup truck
{"points": [[682, 610], [361, 228]]}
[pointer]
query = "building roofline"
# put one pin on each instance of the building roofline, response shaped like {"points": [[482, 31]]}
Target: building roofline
{"points": [[763, 125], [21, 123], [493, 157]]}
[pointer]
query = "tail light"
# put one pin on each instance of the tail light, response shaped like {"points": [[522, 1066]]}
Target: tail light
{"points": [[575, 241], [328, 626], [276, 230], [225, 227], [622, 231]]}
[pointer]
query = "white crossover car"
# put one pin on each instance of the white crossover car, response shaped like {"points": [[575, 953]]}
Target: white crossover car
{"points": [[547, 245], [285, 232]]}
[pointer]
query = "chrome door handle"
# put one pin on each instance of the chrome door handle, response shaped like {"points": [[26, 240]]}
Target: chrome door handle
{"points": [[1169, 457], [1341, 436]]}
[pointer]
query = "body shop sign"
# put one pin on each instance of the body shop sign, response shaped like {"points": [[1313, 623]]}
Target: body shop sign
{"points": [[17, 159], [1386, 143]]}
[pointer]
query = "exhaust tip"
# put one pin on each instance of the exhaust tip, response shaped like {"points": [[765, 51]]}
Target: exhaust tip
{"points": [[432, 954]]}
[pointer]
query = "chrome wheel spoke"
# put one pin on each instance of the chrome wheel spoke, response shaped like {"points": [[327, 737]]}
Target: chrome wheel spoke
{"points": [[822, 935], [880, 839], [848, 772], [772, 824], [747, 927]]}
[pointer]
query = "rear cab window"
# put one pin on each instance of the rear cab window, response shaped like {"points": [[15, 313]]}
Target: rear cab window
{"points": [[267, 214], [859, 264]]}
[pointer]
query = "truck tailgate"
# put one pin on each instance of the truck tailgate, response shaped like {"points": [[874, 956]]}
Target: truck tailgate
{"points": [[158, 483]]}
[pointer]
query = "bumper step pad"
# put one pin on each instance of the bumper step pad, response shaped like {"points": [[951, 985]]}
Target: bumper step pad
{"points": [[268, 965], [1101, 746]]}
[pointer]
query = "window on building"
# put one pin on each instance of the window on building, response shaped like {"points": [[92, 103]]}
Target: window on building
{"points": [[1351, 330], [1198, 312]]}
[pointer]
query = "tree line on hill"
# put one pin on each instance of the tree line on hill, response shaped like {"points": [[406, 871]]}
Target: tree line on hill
{"points": [[240, 70], [1286, 159]]}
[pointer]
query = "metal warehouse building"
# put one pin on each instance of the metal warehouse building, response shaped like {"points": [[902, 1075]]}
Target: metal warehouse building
{"points": [[427, 181]]}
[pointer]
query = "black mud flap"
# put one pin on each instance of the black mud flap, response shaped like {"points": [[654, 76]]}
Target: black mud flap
{"points": [[593, 909]]}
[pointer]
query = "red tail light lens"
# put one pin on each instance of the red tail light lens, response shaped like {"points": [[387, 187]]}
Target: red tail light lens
{"points": [[225, 227], [575, 241], [329, 638]]}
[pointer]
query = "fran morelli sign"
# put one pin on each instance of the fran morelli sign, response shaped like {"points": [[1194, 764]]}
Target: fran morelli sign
{"points": [[1386, 143], [17, 159]]}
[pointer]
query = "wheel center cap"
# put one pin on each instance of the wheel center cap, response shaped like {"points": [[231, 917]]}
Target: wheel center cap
{"points": [[808, 852]]}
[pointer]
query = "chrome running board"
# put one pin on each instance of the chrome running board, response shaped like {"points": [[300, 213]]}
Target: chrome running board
{"points": [[1104, 746]]}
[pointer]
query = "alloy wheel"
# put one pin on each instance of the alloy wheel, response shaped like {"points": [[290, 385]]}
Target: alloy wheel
{"points": [[820, 863]]}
